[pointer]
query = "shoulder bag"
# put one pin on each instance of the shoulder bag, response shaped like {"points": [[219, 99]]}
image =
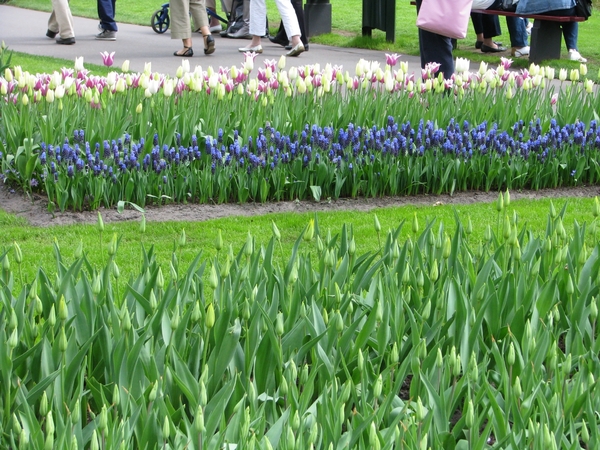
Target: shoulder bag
{"points": [[448, 18]]}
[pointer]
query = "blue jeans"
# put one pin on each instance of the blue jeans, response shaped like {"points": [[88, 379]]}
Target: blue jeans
{"points": [[106, 13], [518, 31], [516, 28]]}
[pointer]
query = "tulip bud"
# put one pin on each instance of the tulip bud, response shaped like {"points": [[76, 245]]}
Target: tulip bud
{"points": [[517, 387], [373, 438], [500, 202], [209, 319], [506, 199], [360, 360], [309, 231], [415, 224], [50, 428], [153, 392], [378, 387], [100, 223], [585, 433], [420, 410], [553, 212], [352, 247], [434, 271], [279, 324], [18, 253], [52, 317], [13, 340], [593, 309], [199, 420], [175, 319], [203, 397], [275, 230], [249, 246], [103, 419], [182, 239], [510, 359], [377, 225], [62, 340], [166, 429], [470, 414], [447, 247]]}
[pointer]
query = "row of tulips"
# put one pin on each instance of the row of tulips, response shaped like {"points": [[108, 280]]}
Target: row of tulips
{"points": [[395, 159], [434, 342], [44, 107]]}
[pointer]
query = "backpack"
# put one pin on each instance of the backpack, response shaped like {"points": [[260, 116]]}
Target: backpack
{"points": [[583, 8]]}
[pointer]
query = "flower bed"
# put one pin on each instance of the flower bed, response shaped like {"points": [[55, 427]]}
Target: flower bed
{"points": [[434, 342], [207, 136]]}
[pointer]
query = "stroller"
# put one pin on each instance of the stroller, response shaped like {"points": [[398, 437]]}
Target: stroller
{"points": [[160, 19]]}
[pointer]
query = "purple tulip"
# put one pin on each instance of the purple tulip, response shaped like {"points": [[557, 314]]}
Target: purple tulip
{"points": [[108, 58]]}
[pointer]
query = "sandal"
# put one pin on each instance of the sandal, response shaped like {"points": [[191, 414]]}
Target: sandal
{"points": [[209, 44], [188, 51]]}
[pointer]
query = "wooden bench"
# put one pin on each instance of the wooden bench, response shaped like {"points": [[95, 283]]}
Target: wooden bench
{"points": [[546, 34]]}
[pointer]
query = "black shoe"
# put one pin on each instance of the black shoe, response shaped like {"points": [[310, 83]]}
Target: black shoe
{"points": [[488, 49], [289, 47], [65, 41], [279, 40], [187, 52], [209, 44], [478, 44], [51, 34]]}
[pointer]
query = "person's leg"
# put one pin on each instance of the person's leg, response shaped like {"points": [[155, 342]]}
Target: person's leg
{"points": [[258, 16], [52, 25], [491, 29], [180, 25], [518, 36], [200, 18], [570, 33], [290, 21], [106, 14], [64, 19], [299, 10], [436, 48]]}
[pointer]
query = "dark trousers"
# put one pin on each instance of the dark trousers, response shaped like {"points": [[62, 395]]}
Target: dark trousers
{"points": [[282, 36], [106, 13], [436, 48], [486, 24]]}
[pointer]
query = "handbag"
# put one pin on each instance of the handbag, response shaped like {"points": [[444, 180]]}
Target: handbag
{"points": [[448, 18], [583, 8]]}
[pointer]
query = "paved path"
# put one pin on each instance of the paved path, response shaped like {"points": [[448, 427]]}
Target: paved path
{"points": [[24, 30]]}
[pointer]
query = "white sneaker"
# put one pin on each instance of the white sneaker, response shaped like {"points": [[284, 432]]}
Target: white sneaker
{"points": [[574, 55], [216, 28], [518, 52]]}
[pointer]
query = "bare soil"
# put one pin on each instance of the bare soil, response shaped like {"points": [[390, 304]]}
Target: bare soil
{"points": [[35, 210]]}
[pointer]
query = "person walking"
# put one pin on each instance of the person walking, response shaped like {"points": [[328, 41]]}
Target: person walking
{"points": [[61, 23], [108, 26], [281, 37], [557, 8], [181, 27], [435, 48], [258, 17]]}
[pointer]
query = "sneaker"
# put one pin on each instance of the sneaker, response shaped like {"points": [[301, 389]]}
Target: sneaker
{"points": [[574, 55], [216, 28], [518, 52], [107, 35], [242, 33]]}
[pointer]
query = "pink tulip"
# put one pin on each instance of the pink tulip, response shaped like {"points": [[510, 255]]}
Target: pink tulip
{"points": [[392, 60], [108, 58]]}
